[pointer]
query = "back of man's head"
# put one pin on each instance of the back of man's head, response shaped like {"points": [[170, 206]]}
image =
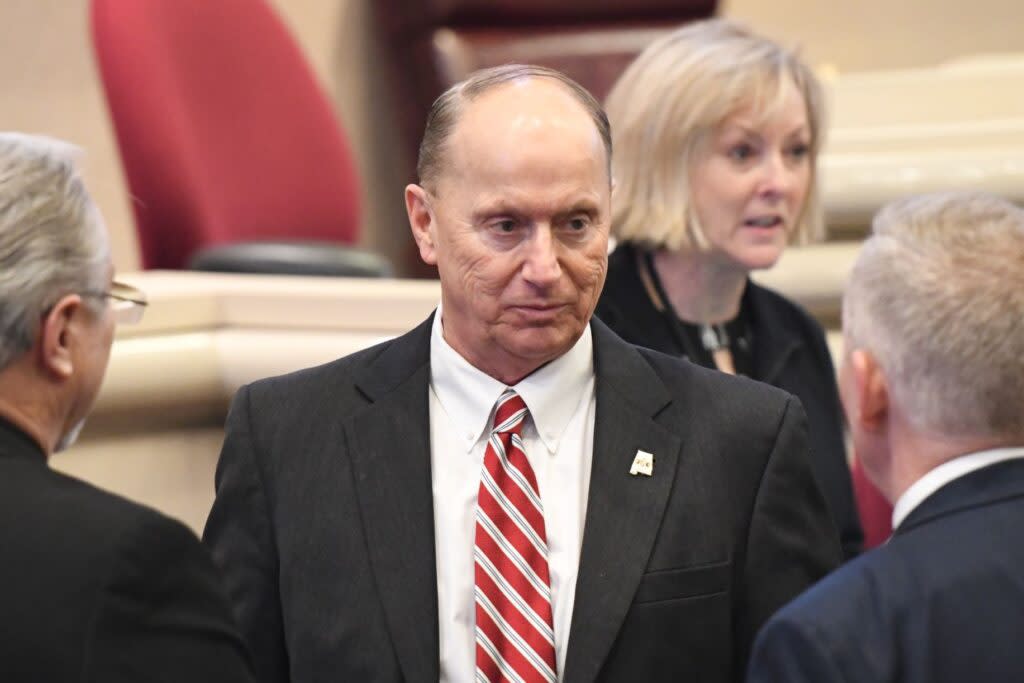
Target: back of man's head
{"points": [[52, 241], [937, 297]]}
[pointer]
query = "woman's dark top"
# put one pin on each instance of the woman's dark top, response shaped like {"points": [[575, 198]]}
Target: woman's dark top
{"points": [[773, 340]]}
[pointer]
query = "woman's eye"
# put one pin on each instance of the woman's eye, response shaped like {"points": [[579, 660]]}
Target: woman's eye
{"points": [[799, 151], [741, 152]]}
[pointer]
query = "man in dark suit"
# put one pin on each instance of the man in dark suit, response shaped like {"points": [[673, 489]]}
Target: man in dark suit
{"points": [[931, 381], [92, 587], [510, 491]]}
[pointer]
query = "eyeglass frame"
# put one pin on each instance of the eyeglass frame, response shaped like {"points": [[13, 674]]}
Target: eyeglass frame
{"points": [[130, 302]]}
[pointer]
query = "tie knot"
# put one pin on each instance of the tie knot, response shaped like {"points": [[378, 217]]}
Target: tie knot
{"points": [[510, 413]]}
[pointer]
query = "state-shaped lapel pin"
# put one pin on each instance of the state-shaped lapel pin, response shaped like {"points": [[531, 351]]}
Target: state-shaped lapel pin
{"points": [[643, 464]]}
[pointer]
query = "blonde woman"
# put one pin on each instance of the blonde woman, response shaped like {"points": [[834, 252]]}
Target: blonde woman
{"points": [[716, 136]]}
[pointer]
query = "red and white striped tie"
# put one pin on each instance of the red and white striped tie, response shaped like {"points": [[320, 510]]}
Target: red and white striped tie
{"points": [[515, 639]]}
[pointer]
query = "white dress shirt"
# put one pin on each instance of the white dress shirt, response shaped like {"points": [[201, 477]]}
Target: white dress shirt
{"points": [[559, 439], [944, 474]]}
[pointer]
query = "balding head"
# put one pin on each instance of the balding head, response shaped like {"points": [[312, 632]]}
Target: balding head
{"points": [[449, 108]]}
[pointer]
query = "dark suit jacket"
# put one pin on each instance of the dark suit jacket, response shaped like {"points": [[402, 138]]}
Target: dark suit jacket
{"points": [[323, 522], [94, 588], [942, 601], [789, 352]]}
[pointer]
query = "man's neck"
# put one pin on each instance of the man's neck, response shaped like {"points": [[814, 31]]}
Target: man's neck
{"points": [[29, 412], [916, 453]]}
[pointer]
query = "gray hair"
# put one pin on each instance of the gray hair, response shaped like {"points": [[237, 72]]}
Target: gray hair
{"points": [[444, 113], [937, 296], [52, 240]]}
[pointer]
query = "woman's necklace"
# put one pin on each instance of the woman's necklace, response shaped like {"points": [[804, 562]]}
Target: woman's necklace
{"points": [[713, 337]]}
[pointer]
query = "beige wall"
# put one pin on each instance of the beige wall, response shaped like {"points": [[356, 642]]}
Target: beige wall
{"points": [[858, 35], [48, 82]]}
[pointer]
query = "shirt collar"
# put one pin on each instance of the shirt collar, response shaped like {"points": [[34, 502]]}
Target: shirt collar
{"points": [[552, 393], [944, 474]]}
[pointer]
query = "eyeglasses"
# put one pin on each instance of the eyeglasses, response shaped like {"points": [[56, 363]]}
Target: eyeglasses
{"points": [[127, 302]]}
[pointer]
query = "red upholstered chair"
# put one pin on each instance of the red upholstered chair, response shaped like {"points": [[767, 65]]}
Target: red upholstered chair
{"points": [[226, 138], [875, 511]]}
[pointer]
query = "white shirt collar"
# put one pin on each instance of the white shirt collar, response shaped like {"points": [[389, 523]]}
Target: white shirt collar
{"points": [[551, 393], [944, 474]]}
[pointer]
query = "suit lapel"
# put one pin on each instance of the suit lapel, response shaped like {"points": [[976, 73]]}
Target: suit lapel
{"points": [[623, 511], [390, 447]]}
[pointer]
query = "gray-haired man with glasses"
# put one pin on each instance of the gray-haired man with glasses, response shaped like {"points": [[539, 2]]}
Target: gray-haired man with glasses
{"points": [[92, 587]]}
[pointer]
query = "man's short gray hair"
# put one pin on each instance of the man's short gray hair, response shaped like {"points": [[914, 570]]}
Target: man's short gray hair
{"points": [[937, 296], [444, 113], [52, 240]]}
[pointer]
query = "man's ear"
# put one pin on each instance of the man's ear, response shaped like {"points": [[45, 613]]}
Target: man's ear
{"points": [[871, 391], [57, 337], [422, 222]]}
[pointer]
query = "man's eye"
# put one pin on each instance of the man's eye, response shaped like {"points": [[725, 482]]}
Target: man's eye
{"points": [[578, 223], [505, 226]]}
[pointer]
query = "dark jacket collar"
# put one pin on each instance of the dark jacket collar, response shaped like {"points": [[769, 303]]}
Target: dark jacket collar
{"points": [[774, 340], [988, 485], [16, 443]]}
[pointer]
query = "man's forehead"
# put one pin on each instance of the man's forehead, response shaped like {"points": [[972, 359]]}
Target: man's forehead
{"points": [[519, 120], [522, 106]]}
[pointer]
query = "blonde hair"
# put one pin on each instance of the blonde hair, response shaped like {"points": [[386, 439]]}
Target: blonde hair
{"points": [[667, 104], [937, 297]]}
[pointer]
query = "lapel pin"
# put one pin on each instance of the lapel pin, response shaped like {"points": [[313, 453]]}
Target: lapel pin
{"points": [[643, 464]]}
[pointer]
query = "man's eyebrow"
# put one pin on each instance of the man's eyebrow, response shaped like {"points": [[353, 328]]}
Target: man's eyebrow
{"points": [[496, 207], [587, 206]]}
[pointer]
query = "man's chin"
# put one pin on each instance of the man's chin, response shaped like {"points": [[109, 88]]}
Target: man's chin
{"points": [[70, 437], [542, 344]]}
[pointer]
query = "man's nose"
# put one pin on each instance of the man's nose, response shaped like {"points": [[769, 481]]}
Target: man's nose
{"points": [[541, 266]]}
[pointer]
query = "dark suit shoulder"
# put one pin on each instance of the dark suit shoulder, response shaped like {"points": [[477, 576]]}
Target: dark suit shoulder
{"points": [[330, 376], [346, 382], [709, 391], [162, 614], [838, 630], [60, 502], [75, 544], [912, 610]]}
